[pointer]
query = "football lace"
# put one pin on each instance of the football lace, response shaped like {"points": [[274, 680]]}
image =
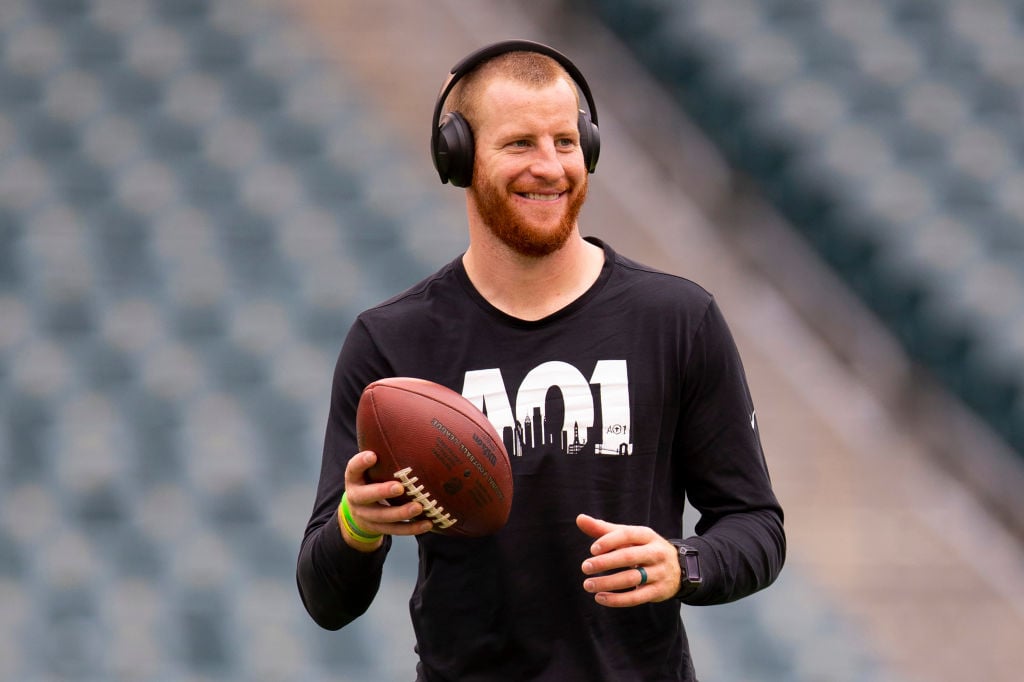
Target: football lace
{"points": [[431, 508]]}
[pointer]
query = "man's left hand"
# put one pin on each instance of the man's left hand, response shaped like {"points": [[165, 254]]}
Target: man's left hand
{"points": [[630, 565]]}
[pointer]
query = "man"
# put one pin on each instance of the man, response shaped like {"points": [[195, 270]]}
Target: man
{"points": [[624, 388]]}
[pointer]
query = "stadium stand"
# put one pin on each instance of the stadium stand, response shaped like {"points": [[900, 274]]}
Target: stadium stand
{"points": [[181, 248]]}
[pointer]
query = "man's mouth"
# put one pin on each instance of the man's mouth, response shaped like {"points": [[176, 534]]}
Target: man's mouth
{"points": [[540, 197]]}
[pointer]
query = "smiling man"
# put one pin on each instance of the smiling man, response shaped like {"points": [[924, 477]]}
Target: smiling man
{"points": [[617, 389]]}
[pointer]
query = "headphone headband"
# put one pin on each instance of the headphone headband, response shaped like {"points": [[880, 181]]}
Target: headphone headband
{"points": [[475, 59]]}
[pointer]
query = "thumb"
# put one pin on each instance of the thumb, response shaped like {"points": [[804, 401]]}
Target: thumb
{"points": [[358, 465]]}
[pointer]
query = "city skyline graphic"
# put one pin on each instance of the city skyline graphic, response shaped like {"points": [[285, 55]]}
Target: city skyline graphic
{"points": [[525, 438]]}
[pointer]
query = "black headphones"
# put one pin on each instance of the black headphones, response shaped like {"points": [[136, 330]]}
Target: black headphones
{"points": [[451, 140]]}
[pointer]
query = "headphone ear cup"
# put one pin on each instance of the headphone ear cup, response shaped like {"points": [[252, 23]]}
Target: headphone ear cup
{"points": [[590, 141], [455, 151]]}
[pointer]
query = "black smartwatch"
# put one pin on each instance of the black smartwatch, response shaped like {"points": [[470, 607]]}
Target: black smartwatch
{"points": [[689, 566]]}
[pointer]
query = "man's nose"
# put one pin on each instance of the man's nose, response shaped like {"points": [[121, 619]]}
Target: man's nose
{"points": [[547, 162]]}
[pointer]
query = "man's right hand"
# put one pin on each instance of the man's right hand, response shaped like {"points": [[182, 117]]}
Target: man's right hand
{"points": [[369, 507]]}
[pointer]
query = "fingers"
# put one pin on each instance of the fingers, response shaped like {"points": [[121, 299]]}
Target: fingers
{"points": [[623, 580], [628, 586], [612, 536], [595, 528], [619, 552], [373, 505]]}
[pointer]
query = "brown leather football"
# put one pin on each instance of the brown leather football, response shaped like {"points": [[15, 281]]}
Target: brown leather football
{"points": [[442, 449]]}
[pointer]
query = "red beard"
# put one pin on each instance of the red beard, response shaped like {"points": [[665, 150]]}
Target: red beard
{"points": [[496, 209]]}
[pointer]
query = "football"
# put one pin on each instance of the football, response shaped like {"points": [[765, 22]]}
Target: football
{"points": [[442, 449]]}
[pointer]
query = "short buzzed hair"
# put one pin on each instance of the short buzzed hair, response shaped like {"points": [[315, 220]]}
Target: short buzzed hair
{"points": [[530, 68]]}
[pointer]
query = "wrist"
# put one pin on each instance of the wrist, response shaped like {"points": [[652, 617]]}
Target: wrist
{"points": [[354, 535]]}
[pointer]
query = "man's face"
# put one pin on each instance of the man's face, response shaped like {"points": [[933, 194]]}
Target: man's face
{"points": [[529, 180]]}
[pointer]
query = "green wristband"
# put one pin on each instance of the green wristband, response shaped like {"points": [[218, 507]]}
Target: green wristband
{"points": [[355, 531]]}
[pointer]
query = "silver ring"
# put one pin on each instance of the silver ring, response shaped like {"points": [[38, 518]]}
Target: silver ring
{"points": [[643, 575]]}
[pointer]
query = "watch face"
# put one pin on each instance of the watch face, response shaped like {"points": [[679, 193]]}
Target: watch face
{"points": [[689, 562], [692, 565]]}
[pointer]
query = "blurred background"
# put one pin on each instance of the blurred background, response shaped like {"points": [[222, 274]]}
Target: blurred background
{"points": [[197, 196]]}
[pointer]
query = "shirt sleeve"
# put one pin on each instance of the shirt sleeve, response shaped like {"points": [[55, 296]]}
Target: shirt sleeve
{"points": [[338, 583], [740, 533]]}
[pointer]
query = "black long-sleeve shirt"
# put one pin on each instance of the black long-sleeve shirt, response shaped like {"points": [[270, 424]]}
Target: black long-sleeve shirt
{"points": [[622, 405]]}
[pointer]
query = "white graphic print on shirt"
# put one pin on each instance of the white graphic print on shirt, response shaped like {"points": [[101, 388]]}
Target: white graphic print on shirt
{"points": [[557, 407]]}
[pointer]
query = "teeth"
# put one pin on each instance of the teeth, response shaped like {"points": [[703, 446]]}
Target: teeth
{"points": [[541, 197]]}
